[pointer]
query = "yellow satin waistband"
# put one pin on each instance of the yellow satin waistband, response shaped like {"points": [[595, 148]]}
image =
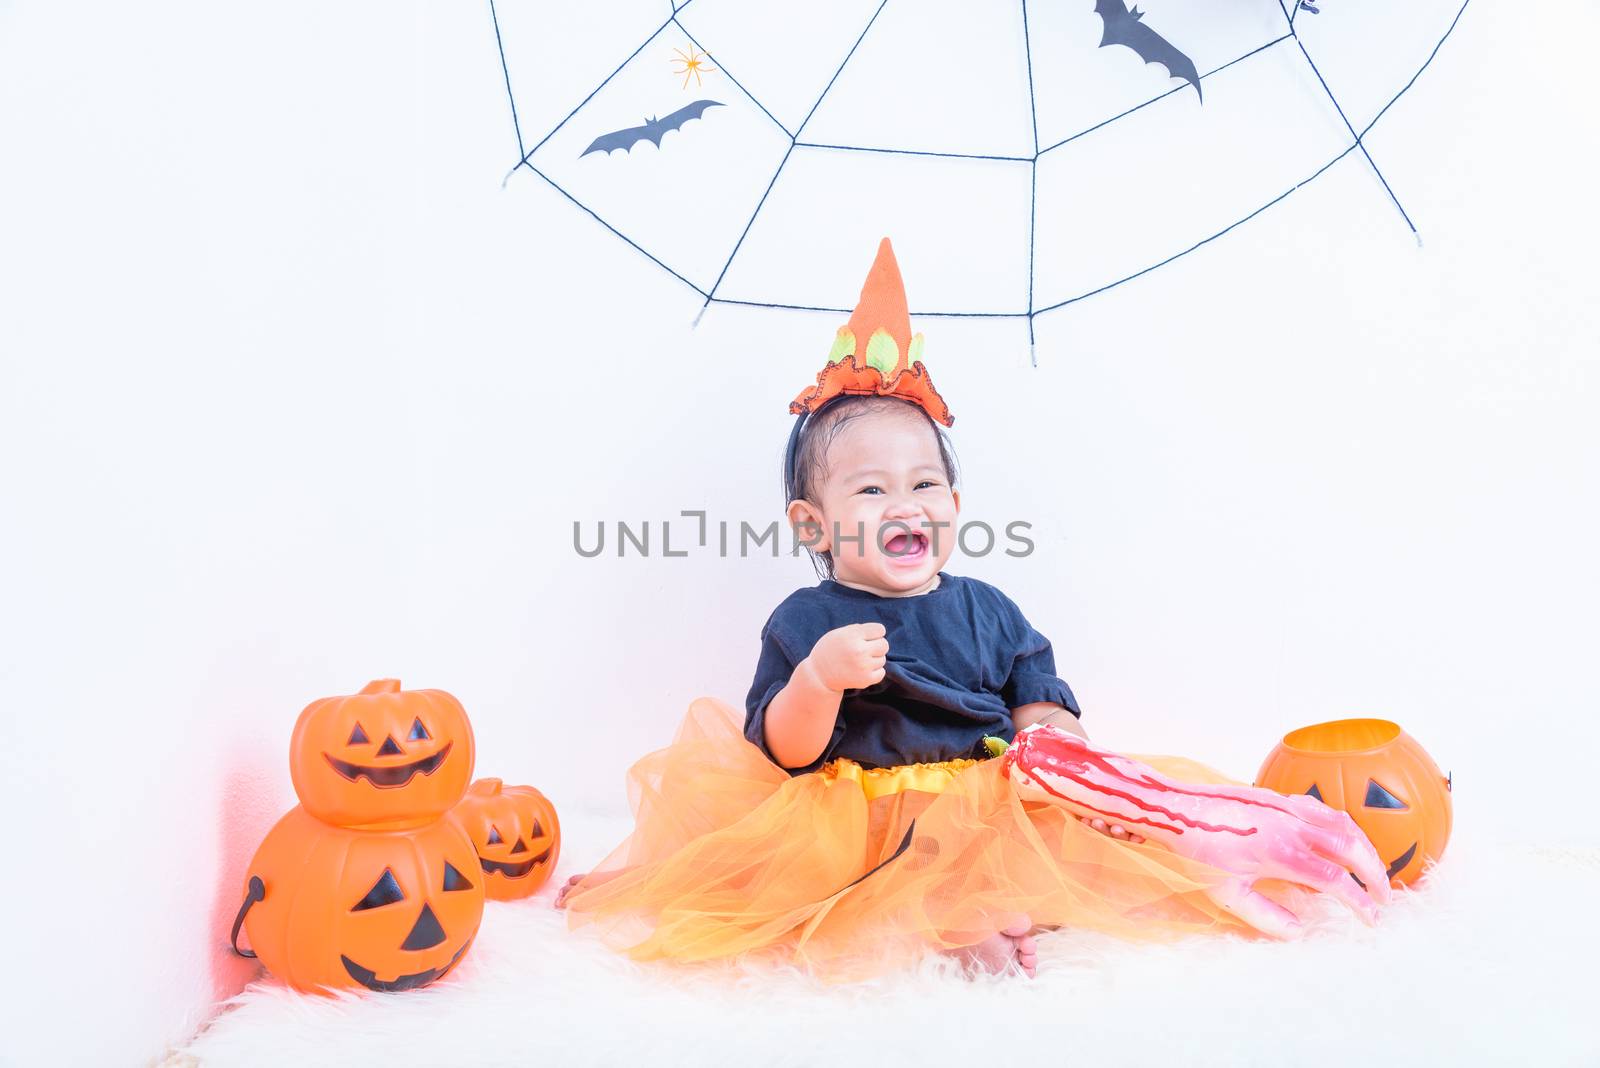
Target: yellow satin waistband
{"points": [[880, 782]]}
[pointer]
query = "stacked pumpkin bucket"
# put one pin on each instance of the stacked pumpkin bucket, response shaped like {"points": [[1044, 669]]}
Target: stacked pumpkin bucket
{"points": [[377, 879]]}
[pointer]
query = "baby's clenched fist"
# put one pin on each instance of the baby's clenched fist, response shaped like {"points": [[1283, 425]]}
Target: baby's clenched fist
{"points": [[850, 657]]}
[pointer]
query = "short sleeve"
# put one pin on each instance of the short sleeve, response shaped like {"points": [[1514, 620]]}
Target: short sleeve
{"points": [[1033, 674], [774, 667]]}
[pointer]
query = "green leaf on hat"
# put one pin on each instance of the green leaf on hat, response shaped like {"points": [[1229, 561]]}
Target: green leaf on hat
{"points": [[844, 344], [882, 352], [914, 351]]}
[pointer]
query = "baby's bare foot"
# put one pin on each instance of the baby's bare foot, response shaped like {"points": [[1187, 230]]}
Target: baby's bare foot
{"points": [[997, 953], [567, 888], [595, 878]]}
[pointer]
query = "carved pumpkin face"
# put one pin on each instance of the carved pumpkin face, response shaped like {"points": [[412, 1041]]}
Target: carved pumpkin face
{"points": [[382, 755], [1377, 773], [515, 831], [383, 910]]}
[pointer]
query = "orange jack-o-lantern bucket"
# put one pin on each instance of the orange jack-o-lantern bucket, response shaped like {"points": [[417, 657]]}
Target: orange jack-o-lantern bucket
{"points": [[328, 907], [516, 833], [381, 756], [1377, 773]]}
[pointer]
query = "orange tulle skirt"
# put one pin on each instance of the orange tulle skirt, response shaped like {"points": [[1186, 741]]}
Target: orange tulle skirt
{"points": [[848, 871]]}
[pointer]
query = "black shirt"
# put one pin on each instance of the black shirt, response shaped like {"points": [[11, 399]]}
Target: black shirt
{"points": [[961, 656]]}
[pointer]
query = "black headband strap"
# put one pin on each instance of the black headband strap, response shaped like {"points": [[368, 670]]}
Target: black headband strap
{"points": [[791, 460]]}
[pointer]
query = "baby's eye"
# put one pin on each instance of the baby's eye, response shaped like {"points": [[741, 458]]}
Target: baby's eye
{"points": [[926, 482], [870, 489]]}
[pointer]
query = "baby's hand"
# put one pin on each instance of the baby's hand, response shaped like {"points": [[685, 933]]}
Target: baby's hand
{"points": [[1114, 830], [850, 657]]}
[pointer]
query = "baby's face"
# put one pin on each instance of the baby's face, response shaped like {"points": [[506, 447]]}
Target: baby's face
{"points": [[885, 480]]}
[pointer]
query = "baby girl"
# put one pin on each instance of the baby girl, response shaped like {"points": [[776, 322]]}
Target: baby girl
{"points": [[890, 660]]}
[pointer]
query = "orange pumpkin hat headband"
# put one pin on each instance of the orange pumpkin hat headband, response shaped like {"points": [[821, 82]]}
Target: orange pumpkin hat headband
{"points": [[875, 354]]}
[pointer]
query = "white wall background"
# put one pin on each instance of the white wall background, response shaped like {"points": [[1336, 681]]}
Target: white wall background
{"points": [[293, 396]]}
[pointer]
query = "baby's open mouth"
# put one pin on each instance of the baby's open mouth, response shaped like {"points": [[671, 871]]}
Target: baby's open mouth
{"points": [[907, 547]]}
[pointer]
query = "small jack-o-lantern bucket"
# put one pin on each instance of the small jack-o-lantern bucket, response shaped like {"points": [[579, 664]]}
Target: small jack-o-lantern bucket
{"points": [[516, 833], [1377, 773]]}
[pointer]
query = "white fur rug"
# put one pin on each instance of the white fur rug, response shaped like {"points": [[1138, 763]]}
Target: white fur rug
{"points": [[1494, 961]]}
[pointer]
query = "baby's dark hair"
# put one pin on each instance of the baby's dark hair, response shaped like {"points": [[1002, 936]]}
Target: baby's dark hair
{"points": [[806, 461]]}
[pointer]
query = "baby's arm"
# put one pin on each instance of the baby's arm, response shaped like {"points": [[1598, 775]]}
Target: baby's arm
{"points": [[1053, 714], [1046, 712], [800, 718]]}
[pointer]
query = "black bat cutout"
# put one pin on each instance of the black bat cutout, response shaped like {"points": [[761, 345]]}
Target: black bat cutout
{"points": [[1124, 27], [653, 130]]}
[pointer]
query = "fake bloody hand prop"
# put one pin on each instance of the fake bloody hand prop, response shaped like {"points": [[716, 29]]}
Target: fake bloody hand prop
{"points": [[1248, 832]]}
